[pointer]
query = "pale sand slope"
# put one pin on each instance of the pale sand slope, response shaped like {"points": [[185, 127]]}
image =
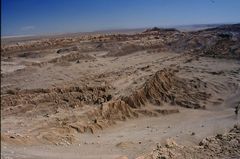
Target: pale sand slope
{"points": [[135, 137], [138, 136]]}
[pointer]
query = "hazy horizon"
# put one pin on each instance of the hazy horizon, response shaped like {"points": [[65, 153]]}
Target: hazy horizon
{"points": [[113, 30], [43, 17]]}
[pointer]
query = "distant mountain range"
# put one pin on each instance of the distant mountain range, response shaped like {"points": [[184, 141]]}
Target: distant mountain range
{"points": [[194, 27]]}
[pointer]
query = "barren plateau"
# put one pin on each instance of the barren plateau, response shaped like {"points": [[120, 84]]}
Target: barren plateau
{"points": [[161, 93]]}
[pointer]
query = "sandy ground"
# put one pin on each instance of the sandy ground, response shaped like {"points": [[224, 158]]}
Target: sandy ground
{"points": [[136, 137], [92, 104]]}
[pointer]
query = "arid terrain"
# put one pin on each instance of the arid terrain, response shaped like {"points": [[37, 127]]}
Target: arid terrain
{"points": [[156, 94]]}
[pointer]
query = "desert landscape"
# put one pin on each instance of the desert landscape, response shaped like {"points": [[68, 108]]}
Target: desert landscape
{"points": [[161, 93]]}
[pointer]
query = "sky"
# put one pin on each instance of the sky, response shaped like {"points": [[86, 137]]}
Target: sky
{"points": [[36, 17]]}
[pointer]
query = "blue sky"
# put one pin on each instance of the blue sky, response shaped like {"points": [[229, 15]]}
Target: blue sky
{"points": [[22, 17]]}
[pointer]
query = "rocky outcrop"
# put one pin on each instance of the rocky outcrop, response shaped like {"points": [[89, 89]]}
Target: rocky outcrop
{"points": [[220, 146], [165, 86]]}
